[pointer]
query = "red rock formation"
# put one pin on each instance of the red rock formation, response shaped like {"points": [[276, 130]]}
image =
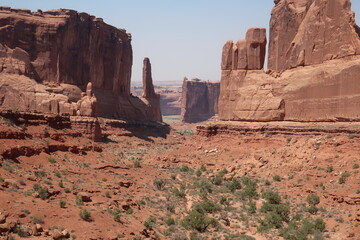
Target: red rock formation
{"points": [[149, 94], [246, 54], [308, 32], [48, 58], [199, 100], [322, 37]]}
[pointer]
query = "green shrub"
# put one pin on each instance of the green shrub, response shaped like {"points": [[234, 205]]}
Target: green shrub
{"points": [[313, 209], [85, 215], [198, 173], [130, 211], [234, 185], [107, 194], [271, 220], [57, 174], [160, 183], [356, 166], [179, 192], [217, 180], [79, 201], [198, 221], [62, 203], [272, 197], [40, 174], [342, 180], [1, 179], [277, 178], [329, 169], [20, 231], [313, 199], [249, 188], [345, 174], [252, 208], [37, 220], [207, 206], [67, 190], [170, 221], [42, 191], [150, 223], [202, 168], [184, 168], [52, 160]]}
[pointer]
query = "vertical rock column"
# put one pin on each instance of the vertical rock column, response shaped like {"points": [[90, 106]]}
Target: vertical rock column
{"points": [[149, 93]]}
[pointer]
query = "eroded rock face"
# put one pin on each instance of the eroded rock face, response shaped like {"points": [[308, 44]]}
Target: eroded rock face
{"points": [[308, 32], [246, 54], [199, 100], [48, 59], [313, 67], [65, 46], [149, 94]]}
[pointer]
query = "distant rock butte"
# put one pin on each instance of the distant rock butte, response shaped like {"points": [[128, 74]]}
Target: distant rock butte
{"points": [[313, 66], [199, 100], [48, 60]]}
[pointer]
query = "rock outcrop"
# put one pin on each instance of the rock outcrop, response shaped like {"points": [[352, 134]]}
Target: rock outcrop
{"points": [[308, 32], [246, 54], [199, 100], [47, 60], [152, 99], [313, 68]]}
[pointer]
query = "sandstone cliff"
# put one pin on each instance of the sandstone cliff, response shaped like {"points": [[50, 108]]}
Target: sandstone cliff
{"points": [[308, 32], [48, 58], [199, 100], [313, 67]]}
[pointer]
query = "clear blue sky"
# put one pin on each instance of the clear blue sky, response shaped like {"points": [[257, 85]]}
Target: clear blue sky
{"points": [[181, 37]]}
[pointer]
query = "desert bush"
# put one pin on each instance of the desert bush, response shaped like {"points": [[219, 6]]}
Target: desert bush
{"points": [[62, 203], [150, 223], [52, 160], [37, 220], [249, 188], [272, 197], [355, 166], [42, 191], [207, 206], [313, 199], [85, 215], [329, 169], [198, 221], [160, 183], [234, 185], [277, 178], [170, 221]]}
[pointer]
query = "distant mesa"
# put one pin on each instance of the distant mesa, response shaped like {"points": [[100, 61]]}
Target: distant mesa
{"points": [[199, 100], [66, 62], [313, 66]]}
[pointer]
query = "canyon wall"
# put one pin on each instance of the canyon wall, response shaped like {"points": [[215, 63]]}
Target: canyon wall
{"points": [[313, 67], [47, 60], [199, 100]]}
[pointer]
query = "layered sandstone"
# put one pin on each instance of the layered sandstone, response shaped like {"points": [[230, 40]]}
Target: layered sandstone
{"points": [[47, 60], [308, 32], [199, 100], [246, 54], [149, 94], [313, 68]]}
